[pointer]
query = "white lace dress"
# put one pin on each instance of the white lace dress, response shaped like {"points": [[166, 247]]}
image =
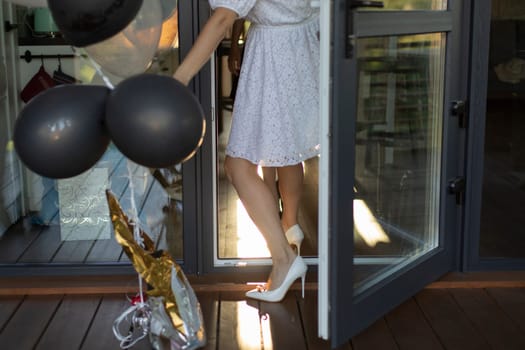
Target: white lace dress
{"points": [[275, 116]]}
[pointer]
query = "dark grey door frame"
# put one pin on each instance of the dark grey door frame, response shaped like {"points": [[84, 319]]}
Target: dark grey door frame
{"points": [[350, 314], [479, 65]]}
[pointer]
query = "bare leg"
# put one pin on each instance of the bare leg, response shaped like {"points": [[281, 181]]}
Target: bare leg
{"points": [[262, 208], [290, 188], [269, 177]]}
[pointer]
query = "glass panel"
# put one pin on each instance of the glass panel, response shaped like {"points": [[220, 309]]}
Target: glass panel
{"points": [[398, 152], [237, 236], [503, 196], [410, 5], [67, 220]]}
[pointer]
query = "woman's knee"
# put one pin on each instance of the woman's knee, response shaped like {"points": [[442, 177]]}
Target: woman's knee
{"points": [[236, 167]]}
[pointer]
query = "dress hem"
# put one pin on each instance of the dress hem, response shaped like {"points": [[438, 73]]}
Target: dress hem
{"points": [[265, 163]]}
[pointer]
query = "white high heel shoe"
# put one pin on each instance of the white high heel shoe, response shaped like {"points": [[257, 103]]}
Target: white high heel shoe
{"points": [[297, 269], [295, 236]]}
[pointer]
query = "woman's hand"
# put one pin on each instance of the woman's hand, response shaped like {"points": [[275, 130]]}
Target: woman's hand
{"points": [[234, 60]]}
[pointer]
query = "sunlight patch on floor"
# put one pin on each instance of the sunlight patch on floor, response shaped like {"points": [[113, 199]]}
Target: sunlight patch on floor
{"points": [[248, 327]]}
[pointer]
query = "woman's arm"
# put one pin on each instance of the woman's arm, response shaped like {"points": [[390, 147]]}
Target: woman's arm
{"points": [[209, 38]]}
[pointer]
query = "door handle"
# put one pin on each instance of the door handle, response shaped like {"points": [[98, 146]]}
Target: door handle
{"points": [[363, 3]]}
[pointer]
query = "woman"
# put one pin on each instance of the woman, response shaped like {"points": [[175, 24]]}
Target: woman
{"points": [[275, 118]]}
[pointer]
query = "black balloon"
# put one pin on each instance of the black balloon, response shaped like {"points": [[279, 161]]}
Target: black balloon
{"points": [[154, 120], [88, 22], [60, 133]]}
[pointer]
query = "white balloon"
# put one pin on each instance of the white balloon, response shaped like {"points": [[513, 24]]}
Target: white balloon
{"points": [[29, 3], [131, 51], [168, 8]]}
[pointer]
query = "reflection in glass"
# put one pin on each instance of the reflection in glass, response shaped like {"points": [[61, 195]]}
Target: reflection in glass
{"points": [[503, 194], [409, 5], [398, 152], [66, 221]]}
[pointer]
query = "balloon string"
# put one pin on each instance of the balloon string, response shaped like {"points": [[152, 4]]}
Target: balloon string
{"points": [[127, 341], [135, 220], [140, 312], [84, 55]]}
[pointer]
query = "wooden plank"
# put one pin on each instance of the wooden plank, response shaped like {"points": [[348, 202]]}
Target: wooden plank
{"points": [[58, 285], [70, 323], [410, 328], [285, 326], [209, 303], [440, 309], [230, 295], [239, 326], [489, 319], [481, 279], [512, 301], [8, 306], [17, 240], [100, 334], [29, 322], [43, 248], [377, 336], [73, 251]]}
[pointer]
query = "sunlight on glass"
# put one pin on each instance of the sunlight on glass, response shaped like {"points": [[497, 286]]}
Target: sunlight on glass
{"points": [[250, 242], [411, 5], [367, 226], [248, 327]]}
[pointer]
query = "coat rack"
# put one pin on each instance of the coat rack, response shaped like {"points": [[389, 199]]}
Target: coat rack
{"points": [[28, 56]]}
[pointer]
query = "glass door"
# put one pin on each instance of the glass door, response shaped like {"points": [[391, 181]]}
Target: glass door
{"points": [[47, 223], [496, 240], [392, 149]]}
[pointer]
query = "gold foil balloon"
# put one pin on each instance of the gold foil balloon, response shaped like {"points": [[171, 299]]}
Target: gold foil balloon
{"points": [[131, 51], [176, 317]]}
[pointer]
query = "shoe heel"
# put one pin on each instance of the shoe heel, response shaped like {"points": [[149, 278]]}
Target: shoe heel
{"points": [[295, 237], [302, 284], [298, 245]]}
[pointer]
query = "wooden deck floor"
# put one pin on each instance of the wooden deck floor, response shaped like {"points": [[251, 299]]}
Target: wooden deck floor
{"points": [[459, 318]]}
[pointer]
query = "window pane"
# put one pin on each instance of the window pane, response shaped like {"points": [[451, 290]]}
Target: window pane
{"points": [[503, 196], [67, 220], [398, 152]]}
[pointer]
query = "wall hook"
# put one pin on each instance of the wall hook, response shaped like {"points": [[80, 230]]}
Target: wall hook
{"points": [[8, 26]]}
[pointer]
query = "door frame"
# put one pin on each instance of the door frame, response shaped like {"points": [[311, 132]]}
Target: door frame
{"points": [[481, 26], [387, 294]]}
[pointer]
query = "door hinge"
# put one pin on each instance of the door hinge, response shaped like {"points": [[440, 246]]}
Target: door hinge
{"points": [[459, 109], [458, 186]]}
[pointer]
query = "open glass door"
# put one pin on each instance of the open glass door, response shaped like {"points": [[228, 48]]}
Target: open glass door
{"points": [[391, 151]]}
